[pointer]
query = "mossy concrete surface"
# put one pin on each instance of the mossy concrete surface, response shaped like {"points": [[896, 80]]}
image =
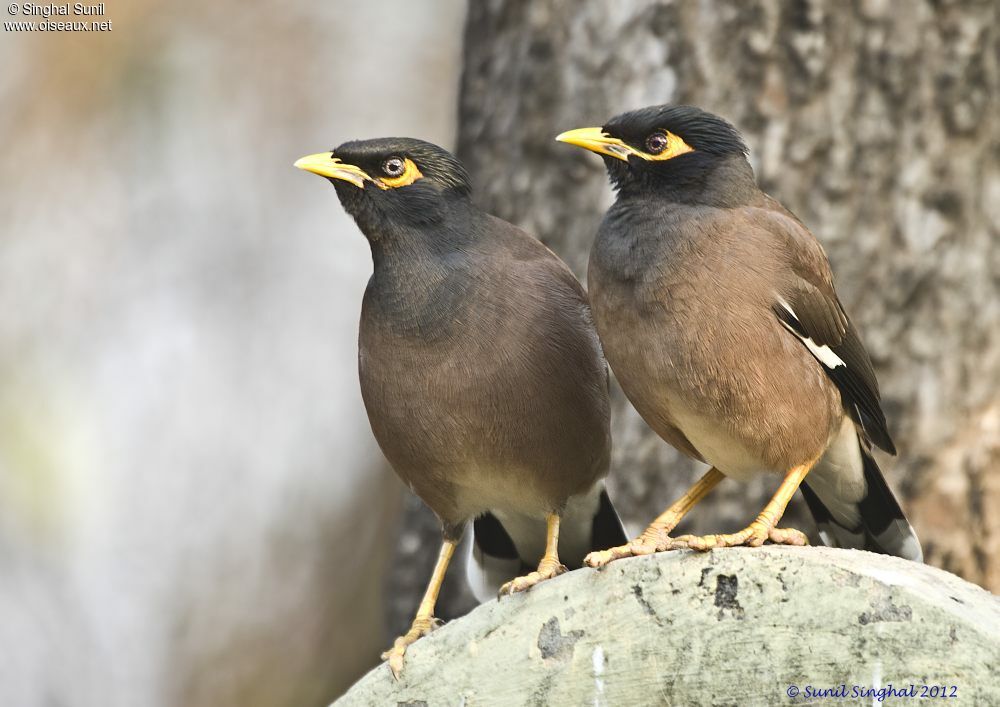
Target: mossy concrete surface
{"points": [[739, 626]]}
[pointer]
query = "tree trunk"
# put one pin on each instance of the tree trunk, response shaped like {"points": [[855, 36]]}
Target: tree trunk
{"points": [[875, 121]]}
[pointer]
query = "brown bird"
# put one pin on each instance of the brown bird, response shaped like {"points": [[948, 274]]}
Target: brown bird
{"points": [[717, 312], [481, 371]]}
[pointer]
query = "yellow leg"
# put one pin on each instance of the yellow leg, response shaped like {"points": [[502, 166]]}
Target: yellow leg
{"points": [[424, 622], [656, 538], [549, 567], [765, 526]]}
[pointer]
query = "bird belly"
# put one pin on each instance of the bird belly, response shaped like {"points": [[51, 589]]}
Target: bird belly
{"points": [[505, 408], [527, 531], [700, 393], [469, 441], [723, 450], [675, 402], [501, 490]]}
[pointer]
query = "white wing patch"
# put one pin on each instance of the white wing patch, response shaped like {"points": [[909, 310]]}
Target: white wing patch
{"points": [[824, 354]]}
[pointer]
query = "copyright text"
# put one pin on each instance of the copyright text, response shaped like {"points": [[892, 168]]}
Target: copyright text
{"points": [[879, 694]]}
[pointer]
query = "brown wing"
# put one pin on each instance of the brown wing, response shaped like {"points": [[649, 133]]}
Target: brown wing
{"points": [[809, 308]]}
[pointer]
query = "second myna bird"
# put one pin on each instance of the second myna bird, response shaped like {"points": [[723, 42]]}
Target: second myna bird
{"points": [[718, 315], [480, 369]]}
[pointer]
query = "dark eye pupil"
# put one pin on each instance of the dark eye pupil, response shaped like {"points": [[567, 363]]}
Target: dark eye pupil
{"points": [[656, 142], [394, 167]]}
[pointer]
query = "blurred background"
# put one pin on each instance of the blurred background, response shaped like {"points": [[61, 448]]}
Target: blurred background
{"points": [[192, 508]]}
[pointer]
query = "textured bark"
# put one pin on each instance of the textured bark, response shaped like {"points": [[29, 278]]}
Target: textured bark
{"points": [[875, 121]]}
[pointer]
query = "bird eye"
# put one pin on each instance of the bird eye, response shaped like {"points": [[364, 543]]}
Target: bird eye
{"points": [[394, 166], [656, 143]]}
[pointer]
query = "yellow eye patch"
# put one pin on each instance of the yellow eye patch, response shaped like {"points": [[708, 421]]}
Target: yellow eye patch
{"points": [[411, 173], [675, 146], [596, 140]]}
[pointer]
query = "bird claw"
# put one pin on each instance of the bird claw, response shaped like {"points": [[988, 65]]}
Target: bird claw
{"points": [[788, 536], [753, 536], [420, 628], [649, 542], [519, 584]]}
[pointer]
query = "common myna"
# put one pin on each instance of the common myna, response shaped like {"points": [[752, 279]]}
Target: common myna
{"points": [[481, 370], [717, 312]]}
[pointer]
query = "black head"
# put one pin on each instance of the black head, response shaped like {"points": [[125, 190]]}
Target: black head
{"points": [[662, 146], [391, 182]]}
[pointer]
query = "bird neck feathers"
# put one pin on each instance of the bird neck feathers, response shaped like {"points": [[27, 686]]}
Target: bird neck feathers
{"points": [[696, 178]]}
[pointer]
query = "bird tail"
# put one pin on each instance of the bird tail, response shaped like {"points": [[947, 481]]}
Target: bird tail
{"points": [[870, 520], [505, 546]]}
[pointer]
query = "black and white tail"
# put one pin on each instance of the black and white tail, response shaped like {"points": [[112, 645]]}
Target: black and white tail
{"points": [[853, 505], [505, 546], [846, 491]]}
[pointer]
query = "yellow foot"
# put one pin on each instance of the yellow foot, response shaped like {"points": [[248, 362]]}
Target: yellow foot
{"points": [[545, 571], [420, 628], [752, 536], [646, 544]]}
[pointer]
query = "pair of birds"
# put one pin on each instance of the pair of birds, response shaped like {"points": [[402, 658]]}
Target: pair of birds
{"points": [[483, 365]]}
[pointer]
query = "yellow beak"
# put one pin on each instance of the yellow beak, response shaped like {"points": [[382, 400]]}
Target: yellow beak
{"points": [[326, 165], [596, 140]]}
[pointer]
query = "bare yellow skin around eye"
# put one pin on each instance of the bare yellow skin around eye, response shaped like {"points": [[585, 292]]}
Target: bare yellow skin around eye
{"points": [[411, 173], [675, 146], [596, 140]]}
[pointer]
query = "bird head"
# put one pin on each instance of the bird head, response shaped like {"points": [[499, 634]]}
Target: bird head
{"points": [[660, 145], [391, 182]]}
